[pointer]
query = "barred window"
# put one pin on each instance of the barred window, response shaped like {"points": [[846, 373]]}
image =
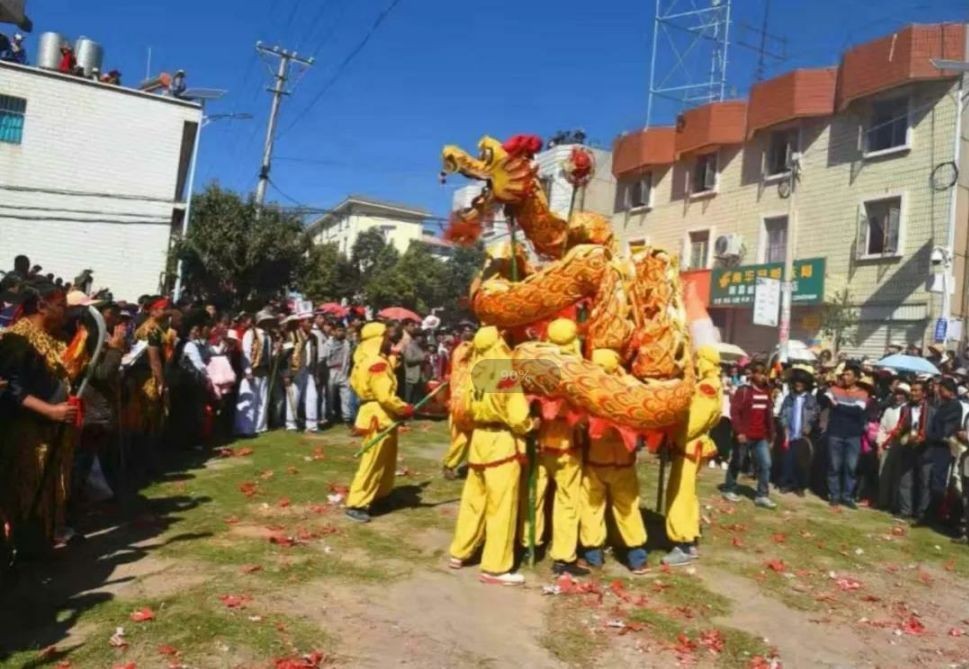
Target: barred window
{"points": [[12, 113]]}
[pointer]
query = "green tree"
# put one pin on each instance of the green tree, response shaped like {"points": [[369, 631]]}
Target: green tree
{"points": [[233, 257], [465, 264], [839, 320], [327, 275], [369, 252]]}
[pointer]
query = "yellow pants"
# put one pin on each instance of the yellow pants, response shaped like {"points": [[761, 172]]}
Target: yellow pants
{"points": [[458, 450], [375, 474], [682, 503], [487, 514], [566, 471], [617, 487]]}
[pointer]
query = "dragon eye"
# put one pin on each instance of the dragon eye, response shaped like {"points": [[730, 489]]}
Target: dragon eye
{"points": [[487, 155]]}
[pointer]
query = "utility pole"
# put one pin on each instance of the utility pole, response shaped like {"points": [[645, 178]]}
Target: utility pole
{"points": [[278, 90]]}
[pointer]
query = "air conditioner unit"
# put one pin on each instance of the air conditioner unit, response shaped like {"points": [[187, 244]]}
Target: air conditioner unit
{"points": [[729, 247]]}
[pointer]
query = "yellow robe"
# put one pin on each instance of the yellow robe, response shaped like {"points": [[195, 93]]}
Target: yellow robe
{"points": [[374, 382], [489, 501], [459, 424], [610, 481]]}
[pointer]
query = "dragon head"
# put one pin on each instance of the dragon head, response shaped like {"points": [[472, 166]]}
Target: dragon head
{"points": [[507, 168]]}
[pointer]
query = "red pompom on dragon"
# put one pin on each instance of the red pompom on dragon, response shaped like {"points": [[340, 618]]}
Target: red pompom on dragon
{"points": [[634, 305]]}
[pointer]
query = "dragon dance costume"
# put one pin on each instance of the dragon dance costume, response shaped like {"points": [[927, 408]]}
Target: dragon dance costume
{"points": [[459, 423]]}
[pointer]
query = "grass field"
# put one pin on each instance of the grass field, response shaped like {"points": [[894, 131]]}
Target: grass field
{"points": [[241, 561]]}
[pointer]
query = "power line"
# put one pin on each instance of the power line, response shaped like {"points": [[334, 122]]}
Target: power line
{"points": [[343, 65]]}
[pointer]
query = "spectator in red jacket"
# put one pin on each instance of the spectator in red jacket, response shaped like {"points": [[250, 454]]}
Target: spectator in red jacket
{"points": [[753, 424]]}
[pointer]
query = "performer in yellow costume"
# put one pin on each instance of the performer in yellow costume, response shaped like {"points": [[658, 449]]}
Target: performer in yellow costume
{"points": [[692, 446], [374, 382], [460, 424], [489, 502], [559, 460], [610, 480]]}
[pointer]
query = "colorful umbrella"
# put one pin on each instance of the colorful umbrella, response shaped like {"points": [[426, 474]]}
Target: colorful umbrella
{"points": [[908, 363], [399, 314], [333, 309]]}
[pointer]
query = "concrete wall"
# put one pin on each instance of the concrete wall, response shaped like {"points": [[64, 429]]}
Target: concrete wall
{"points": [[344, 231], [835, 180], [599, 196], [82, 138]]}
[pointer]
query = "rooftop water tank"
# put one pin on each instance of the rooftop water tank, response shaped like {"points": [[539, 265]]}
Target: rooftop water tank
{"points": [[49, 50], [89, 54]]}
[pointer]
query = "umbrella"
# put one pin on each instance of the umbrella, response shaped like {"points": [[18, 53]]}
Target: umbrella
{"points": [[332, 308], [399, 314], [908, 363], [730, 352], [798, 351]]}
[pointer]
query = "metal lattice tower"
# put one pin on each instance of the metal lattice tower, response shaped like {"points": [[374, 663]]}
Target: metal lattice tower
{"points": [[689, 61]]}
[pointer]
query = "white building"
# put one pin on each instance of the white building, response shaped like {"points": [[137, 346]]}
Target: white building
{"points": [[400, 224], [92, 176]]}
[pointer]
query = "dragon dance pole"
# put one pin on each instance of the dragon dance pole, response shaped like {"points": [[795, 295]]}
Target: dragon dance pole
{"points": [[390, 428], [663, 458]]}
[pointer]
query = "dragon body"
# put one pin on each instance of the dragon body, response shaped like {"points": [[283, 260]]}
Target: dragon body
{"points": [[634, 305]]}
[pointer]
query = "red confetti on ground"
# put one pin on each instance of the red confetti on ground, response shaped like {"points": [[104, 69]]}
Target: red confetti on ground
{"points": [[232, 520], [47, 653], [736, 527], [950, 565], [63, 664], [898, 531], [143, 615], [956, 631], [778, 538], [280, 539], [283, 503], [319, 508], [318, 453], [339, 489], [311, 661], [250, 568], [776, 565], [737, 542], [665, 568], [248, 488], [913, 626], [242, 452], [847, 584], [168, 651], [713, 641], [235, 601], [684, 644], [126, 665], [225, 452], [292, 471], [925, 577]]}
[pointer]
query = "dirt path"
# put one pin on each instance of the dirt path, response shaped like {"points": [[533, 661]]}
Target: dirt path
{"points": [[434, 619]]}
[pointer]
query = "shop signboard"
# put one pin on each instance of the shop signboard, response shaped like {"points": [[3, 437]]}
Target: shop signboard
{"points": [[737, 286]]}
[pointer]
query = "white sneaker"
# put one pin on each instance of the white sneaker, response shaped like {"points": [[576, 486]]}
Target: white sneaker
{"points": [[712, 465], [724, 466], [765, 503], [507, 578]]}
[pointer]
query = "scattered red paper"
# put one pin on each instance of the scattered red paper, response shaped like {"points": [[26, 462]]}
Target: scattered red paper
{"points": [[235, 601], [712, 640], [242, 452], [225, 452], [280, 539], [848, 584], [778, 538], [339, 489], [898, 531], [913, 626], [292, 471], [63, 664], [957, 631], [318, 453], [232, 520], [283, 502], [665, 568], [248, 488], [143, 615], [311, 661], [318, 508], [168, 651], [925, 577], [250, 568], [759, 662], [950, 565], [126, 665], [776, 565], [684, 644], [737, 542], [47, 653]]}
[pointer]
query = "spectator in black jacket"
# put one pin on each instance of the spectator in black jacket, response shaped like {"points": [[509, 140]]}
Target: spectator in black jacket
{"points": [[936, 459]]}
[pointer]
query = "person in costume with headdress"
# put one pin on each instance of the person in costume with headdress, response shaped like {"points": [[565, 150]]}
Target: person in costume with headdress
{"points": [[252, 407], [460, 424], [374, 381], [799, 418], [610, 480], [559, 460], [692, 445], [500, 413], [146, 390], [38, 431]]}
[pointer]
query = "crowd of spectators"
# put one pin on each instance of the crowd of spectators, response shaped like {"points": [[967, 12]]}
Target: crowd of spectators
{"points": [[170, 377], [853, 432]]}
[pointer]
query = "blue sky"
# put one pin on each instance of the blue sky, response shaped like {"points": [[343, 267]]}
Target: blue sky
{"points": [[435, 72]]}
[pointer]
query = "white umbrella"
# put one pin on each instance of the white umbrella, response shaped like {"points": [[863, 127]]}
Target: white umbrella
{"points": [[730, 352]]}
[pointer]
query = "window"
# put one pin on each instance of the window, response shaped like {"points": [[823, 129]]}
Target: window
{"points": [[635, 192], [12, 113], [699, 249], [879, 227], [704, 174], [775, 239], [888, 126], [783, 144]]}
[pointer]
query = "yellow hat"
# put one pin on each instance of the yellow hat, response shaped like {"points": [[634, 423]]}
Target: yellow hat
{"points": [[563, 332], [371, 330], [606, 358], [485, 338]]}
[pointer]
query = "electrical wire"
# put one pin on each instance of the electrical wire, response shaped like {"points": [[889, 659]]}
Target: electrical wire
{"points": [[341, 68]]}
